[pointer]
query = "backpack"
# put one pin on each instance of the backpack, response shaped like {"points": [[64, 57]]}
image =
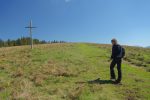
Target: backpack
{"points": [[122, 52]]}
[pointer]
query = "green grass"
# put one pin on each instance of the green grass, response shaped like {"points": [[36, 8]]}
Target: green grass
{"points": [[62, 72]]}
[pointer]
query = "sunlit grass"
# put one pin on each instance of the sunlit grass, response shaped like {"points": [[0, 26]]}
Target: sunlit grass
{"points": [[62, 72]]}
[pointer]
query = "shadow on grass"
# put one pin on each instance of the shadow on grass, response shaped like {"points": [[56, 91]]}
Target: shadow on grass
{"points": [[97, 81]]}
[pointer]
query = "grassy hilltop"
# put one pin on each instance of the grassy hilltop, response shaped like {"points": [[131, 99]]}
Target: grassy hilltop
{"points": [[66, 71]]}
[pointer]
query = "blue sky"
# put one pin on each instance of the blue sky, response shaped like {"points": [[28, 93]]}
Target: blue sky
{"points": [[78, 20]]}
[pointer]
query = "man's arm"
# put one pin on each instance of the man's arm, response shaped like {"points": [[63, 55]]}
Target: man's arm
{"points": [[111, 57], [113, 52]]}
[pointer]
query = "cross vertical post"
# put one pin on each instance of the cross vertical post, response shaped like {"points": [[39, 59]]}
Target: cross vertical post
{"points": [[30, 27]]}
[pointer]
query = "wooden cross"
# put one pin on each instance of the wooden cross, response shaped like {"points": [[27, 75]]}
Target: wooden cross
{"points": [[30, 27]]}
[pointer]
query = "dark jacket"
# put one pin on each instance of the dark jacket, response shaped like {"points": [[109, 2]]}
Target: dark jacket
{"points": [[116, 50]]}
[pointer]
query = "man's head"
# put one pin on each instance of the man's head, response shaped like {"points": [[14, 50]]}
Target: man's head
{"points": [[114, 41]]}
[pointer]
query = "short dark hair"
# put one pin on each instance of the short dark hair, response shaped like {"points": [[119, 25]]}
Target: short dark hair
{"points": [[114, 40]]}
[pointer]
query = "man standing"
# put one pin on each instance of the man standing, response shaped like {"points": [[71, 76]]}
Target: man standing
{"points": [[117, 54]]}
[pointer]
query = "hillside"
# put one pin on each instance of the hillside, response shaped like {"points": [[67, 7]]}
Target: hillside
{"points": [[66, 72], [148, 46]]}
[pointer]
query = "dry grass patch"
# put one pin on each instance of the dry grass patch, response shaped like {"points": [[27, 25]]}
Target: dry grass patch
{"points": [[75, 92], [132, 94], [38, 78], [2, 67], [58, 71], [18, 73], [22, 90], [96, 88], [1, 88]]}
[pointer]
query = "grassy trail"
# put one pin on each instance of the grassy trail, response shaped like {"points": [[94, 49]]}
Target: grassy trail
{"points": [[65, 72]]}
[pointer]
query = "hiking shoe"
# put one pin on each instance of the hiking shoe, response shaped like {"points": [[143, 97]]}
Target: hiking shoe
{"points": [[113, 80], [117, 82]]}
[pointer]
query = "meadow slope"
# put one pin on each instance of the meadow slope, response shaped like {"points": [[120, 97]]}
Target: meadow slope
{"points": [[66, 72]]}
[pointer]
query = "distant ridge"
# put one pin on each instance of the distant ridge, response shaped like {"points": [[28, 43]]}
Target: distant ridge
{"points": [[148, 47]]}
